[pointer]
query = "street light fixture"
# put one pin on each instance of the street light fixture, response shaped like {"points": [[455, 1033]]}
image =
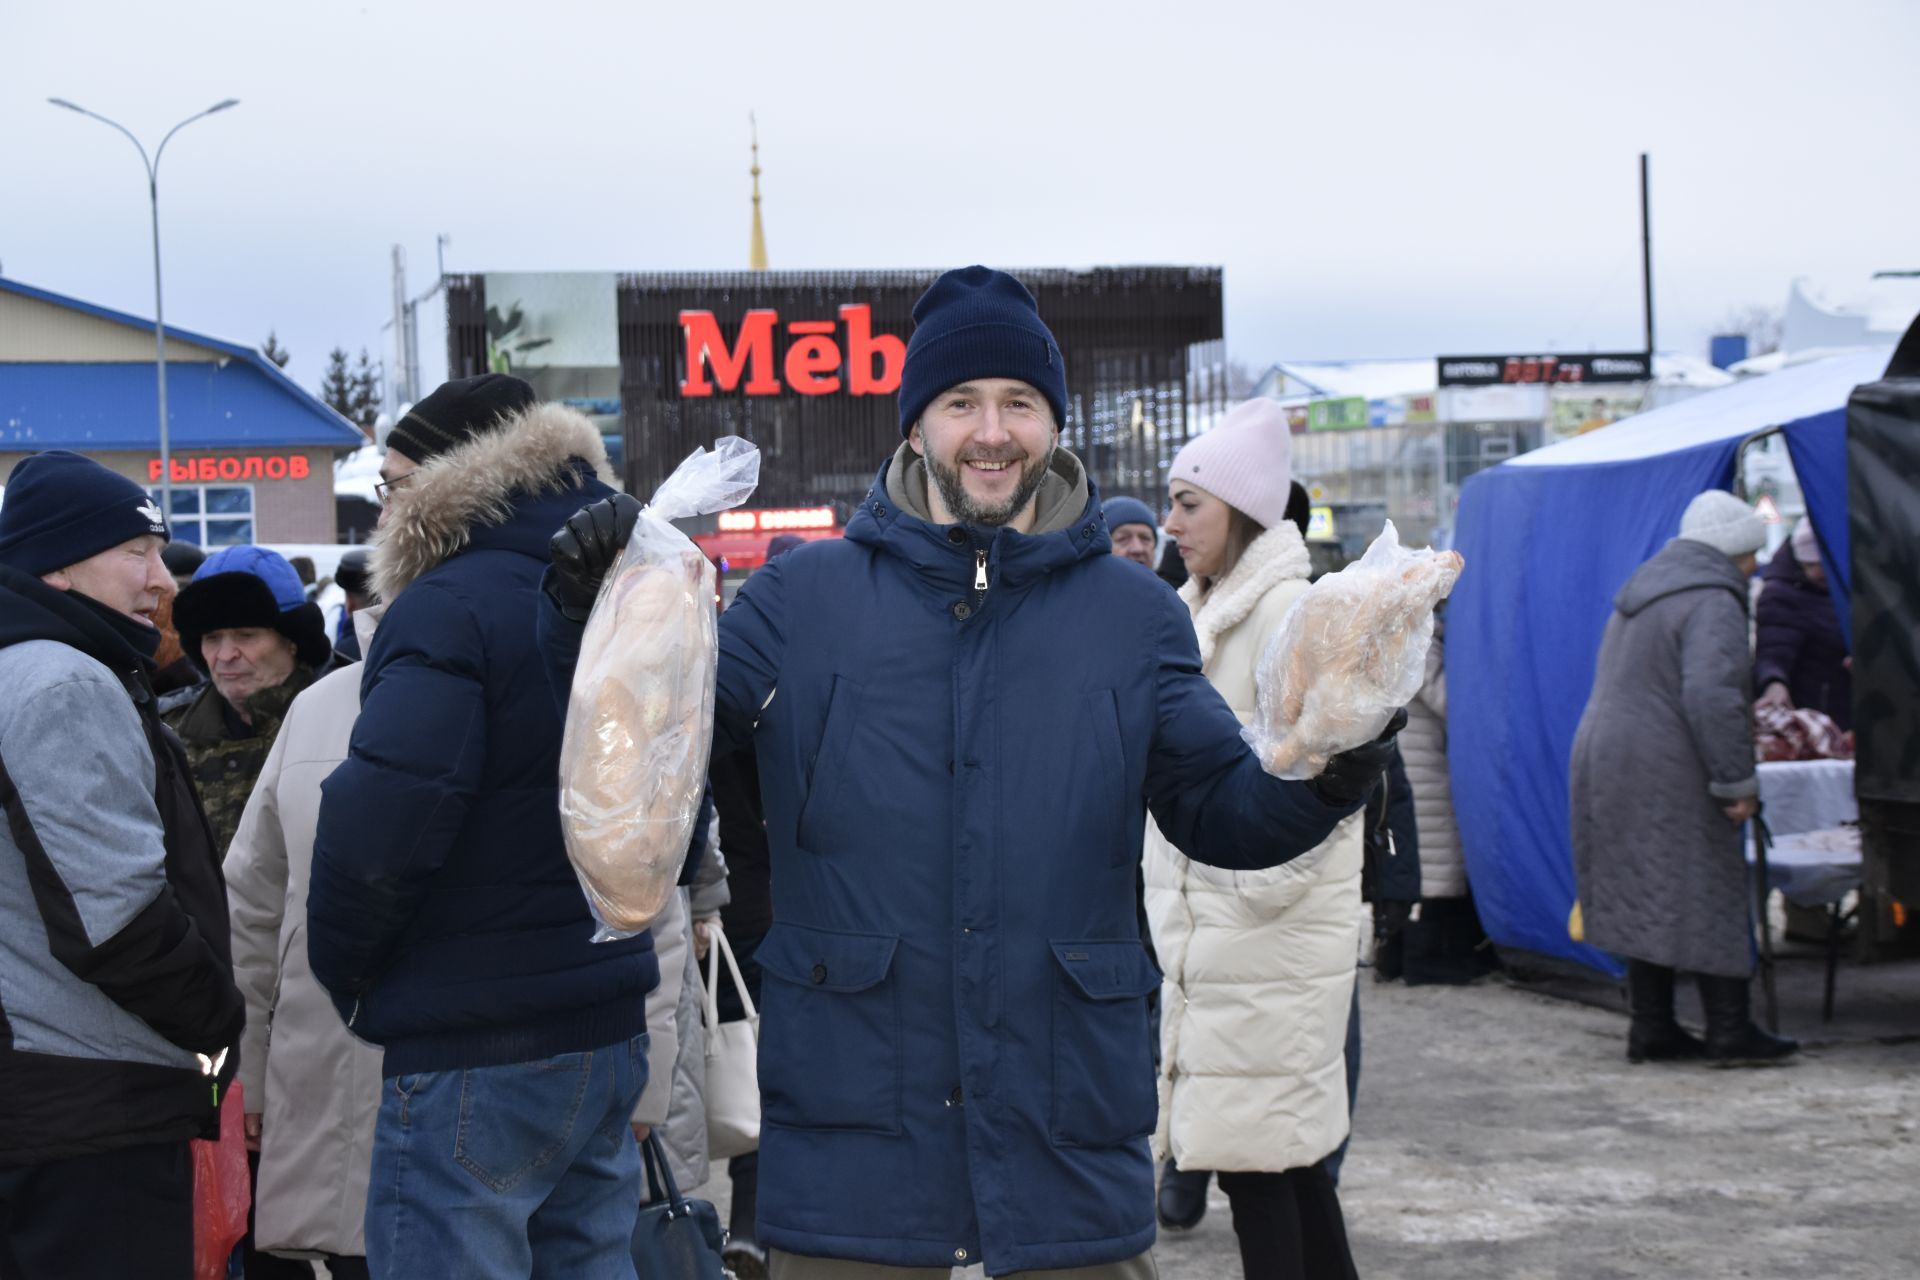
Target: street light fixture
{"points": [[159, 319]]}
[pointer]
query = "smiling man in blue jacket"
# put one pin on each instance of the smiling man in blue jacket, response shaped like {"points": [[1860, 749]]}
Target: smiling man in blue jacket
{"points": [[962, 712]]}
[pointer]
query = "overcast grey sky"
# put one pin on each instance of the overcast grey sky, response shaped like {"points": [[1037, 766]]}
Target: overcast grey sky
{"points": [[1375, 178]]}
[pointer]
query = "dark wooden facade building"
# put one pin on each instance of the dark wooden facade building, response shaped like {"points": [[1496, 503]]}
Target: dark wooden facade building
{"points": [[805, 364]]}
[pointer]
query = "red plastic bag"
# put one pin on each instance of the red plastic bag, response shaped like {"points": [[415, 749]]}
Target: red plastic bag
{"points": [[221, 1196]]}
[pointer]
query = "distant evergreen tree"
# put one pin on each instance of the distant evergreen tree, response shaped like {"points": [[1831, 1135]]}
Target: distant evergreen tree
{"points": [[365, 395], [275, 352], [336, 385]]}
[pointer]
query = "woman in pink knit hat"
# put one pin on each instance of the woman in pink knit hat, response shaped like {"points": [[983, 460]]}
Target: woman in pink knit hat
{"points": [[1259, 965]]}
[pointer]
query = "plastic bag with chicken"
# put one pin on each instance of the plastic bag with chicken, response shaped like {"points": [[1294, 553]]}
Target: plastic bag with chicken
{"points": [[633, 761], [1350, 652]]}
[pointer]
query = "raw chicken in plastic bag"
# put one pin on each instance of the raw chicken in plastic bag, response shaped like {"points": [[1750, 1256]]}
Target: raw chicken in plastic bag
{"points": [[1347, 655], [639, 728]]}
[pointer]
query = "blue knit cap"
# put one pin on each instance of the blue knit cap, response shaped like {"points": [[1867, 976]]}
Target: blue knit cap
{"points": [[267, 565], [979, 323], [1124, 510], [61, 508]]}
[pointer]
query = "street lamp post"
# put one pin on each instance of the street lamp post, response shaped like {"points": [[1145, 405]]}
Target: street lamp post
{"points": [[159, 318]]}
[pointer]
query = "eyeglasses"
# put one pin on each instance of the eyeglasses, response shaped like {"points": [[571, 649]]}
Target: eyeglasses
{"points": [[384, 489]]}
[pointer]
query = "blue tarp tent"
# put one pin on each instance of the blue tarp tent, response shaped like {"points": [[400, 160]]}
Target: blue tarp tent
{"points": [[1549, 538]]}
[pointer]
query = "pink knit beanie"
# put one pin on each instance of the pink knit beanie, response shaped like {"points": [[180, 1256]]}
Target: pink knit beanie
{"points": [[1246, 461]]}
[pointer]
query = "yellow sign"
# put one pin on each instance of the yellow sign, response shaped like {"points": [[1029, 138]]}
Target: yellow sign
{"points": [[1320, 524]]}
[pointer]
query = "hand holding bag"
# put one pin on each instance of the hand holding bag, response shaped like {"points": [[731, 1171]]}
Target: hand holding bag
{"points": [[675, 1238], [733, 1073], [221, 1194]]}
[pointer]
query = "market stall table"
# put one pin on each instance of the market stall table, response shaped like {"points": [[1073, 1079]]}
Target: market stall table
{"points": [[1814, 858]]}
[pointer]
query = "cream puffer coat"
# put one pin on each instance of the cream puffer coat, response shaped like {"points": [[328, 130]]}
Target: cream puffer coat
{"points": [[316, 1085], [1259, 964]]}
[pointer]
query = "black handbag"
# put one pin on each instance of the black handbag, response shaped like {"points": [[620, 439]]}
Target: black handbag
{"points": [[675, 1238]]}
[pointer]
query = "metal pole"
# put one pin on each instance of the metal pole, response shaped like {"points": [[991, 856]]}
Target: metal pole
{"points": [[160, 354], [1646, 259], [159, 317]]}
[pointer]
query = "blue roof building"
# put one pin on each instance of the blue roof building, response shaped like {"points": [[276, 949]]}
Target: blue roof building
{"points": [[252, 451]]}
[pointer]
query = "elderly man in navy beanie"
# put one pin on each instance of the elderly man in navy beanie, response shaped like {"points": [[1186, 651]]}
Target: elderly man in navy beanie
{"points": [[1134, 531], [116, 977], [962, 712]]}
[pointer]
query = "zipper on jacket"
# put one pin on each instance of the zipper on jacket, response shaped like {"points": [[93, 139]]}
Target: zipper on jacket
{"points": [[980, 571]]}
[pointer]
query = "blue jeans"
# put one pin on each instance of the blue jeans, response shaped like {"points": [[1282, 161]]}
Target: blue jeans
{"points": [[507, 1173]]}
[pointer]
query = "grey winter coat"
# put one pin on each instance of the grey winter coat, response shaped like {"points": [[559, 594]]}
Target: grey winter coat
{"points": [[1666, 742]]}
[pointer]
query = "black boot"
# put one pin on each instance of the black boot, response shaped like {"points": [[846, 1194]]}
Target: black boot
{"points": [[744, 1255], [1183, 1197], [1653, 1035], [1732, 1039]]}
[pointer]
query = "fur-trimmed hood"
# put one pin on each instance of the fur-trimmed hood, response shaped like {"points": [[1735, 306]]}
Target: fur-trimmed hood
{"points": [[1276, 556], [534, 453]]}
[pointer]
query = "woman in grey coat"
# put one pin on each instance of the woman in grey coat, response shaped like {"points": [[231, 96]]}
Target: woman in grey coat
{"points": [[1663, 777]]}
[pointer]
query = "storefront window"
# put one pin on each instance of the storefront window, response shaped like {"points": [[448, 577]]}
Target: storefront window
{"points": [[212, 515]]}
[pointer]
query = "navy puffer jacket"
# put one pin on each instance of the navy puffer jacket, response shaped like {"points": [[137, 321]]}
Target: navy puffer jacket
{"points": [[959, 733], [444, 917]]}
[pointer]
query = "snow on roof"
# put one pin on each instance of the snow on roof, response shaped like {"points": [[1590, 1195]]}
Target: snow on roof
{"points": [[1825, 315], [1334, 379], [355, 474], [1671, 369]]}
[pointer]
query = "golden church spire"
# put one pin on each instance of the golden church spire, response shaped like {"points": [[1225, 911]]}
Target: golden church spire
{"points": [[757, 255]]}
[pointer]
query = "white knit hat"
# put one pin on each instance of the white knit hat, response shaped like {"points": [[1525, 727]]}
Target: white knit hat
{"points": [[1246, 461], [1723, 522]]}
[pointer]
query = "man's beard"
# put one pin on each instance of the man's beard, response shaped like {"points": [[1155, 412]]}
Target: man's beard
{"points": [[965, 510]]}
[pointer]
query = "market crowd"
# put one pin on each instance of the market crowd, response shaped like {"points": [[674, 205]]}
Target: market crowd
{"points": [[1037, 946]]}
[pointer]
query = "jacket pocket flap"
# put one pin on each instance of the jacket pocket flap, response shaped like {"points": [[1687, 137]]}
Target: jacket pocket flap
{"points": [[824, 959], [1108, 970]]}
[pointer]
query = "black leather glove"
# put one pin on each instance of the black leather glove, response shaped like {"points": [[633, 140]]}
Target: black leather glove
{"points": [[585, 548], [1350, 775], [1390, 918]]}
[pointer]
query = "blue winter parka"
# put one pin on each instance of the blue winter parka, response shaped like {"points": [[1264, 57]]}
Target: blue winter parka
{"points": [[443, 916], [959, 732]]}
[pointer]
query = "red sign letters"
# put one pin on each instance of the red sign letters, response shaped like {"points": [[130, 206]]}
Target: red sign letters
{"points": [[814, 362], [213, 470]]}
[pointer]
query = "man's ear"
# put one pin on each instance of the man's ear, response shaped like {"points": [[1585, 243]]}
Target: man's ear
{"points": [[58, 580], [913, 438]]}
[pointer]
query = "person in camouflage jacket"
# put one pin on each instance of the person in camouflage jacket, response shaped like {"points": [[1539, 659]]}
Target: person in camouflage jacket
{"points": [[246, 622]]}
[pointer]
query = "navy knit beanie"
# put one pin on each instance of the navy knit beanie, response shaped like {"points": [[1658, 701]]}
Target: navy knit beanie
{"points": [[455, 412], [61, 508], [979, 323], [1124, 510]]}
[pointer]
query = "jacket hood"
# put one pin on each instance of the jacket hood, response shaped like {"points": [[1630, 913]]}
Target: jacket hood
{"points": [[1276, 556], [546, 451], [32, 610], [1680, 566], [895, 518]]}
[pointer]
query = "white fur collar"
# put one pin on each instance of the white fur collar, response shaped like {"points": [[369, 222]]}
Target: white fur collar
{"points": [[473, 484], [1276, 556]]}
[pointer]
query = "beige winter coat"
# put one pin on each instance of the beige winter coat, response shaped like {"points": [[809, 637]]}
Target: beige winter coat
{"points": [[1423, 746], [1259, 964], [316, 1084]]}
